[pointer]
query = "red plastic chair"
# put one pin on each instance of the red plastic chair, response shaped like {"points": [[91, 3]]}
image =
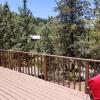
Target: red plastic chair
{"points": [[94, 87]]}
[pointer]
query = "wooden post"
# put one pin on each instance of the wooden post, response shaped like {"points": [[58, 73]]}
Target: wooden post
{"points": [[86, 76], [45, 69]]}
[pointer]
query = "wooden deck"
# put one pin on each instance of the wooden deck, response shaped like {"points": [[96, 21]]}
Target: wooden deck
{"points": [[19, 86]]}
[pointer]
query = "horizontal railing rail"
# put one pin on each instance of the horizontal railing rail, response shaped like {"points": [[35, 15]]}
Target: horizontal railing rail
{"points": [[67, 71]]}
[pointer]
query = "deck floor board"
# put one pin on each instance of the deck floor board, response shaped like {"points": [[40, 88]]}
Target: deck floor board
{"points": [[19, 86]]}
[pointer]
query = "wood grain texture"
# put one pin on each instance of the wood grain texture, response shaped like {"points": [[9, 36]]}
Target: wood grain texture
{"points": [[19, 86]]}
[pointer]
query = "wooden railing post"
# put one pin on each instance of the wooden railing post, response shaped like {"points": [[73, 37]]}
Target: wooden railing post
{"points": [[46, 58], [79, 71], [86, 76], [19, 62]]}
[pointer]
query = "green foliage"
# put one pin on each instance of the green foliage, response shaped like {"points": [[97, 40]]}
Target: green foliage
{"points": [[73, 32], [6, 28], [26, 28], [71, 14], [45, 44]]}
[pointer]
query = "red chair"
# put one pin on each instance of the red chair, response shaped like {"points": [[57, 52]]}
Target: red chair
{"points": [[94, 87]]}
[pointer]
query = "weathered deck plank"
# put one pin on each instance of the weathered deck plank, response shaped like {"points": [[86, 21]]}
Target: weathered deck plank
{"points": [[19, 86]]}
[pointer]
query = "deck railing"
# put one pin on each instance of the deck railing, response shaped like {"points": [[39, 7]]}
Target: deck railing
{"points": [[67, 71]]}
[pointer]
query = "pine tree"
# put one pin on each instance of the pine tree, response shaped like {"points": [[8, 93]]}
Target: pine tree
{"points": [[26, 28], [71, 13], [45, 44], [97, 17], [6, 28], [97, 8]]}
